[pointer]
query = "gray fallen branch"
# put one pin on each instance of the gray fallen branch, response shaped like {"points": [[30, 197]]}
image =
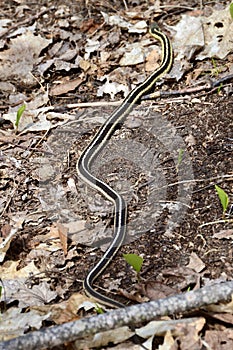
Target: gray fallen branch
{"points": [[131, 316]]}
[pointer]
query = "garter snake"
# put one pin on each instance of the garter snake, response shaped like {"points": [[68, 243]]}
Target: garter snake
{"points": [[93, 149]]}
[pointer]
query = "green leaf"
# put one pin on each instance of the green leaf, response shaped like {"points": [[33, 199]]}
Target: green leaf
{"points": [[19, 114], [134, 260], [0, 291], [99, 309], [180, 156], [231, 10], [222, 195]]}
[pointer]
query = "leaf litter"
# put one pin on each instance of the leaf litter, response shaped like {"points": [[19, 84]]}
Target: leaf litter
{"points": [[29, 285]]}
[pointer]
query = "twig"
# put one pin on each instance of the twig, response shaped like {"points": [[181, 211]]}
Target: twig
{"points": [[131, 316], [8, 201], [209, 87], [219, 178], [221, 221], [126, 6], [94, 104], [26, 21]]}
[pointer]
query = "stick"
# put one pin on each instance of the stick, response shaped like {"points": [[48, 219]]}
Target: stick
{"points": [[26, 21], [131, 316]]}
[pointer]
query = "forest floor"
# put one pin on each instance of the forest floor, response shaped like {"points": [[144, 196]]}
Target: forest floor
{"points": [[66, 61]]}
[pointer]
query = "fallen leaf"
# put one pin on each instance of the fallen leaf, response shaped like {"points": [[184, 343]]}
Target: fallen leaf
{"points": [[182, 277], [15, 323], [160, 328], [116, 20], [18, 61], [5, 243], [111, 88], [114, 336], [18, 290], [132, 57], [42, 116], [152, 61], [59, 230], [195, 263], [9, 270], [65, 87], [168, 342], [227, 234], [216, 339], [67, 310], [218, 29], [221, 307], [5, 231], [226, 318], [188, 38], [156, 290]]}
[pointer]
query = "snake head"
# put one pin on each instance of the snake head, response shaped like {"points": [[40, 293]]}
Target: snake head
{"points": [[154, 26]]}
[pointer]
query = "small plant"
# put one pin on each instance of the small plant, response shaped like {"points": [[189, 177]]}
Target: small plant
{"points": [[135, 261], [216, 70], [19, 115], [223, 197], [99, 309], [219, 88], [180, 157], [231, 10]]}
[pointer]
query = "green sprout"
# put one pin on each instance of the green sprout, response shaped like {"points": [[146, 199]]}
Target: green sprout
{"points": [[215, 70], [99, 309], [135, 261], [231, 10], [19, 115], [219, 88], [223, 197], [180, 157]]}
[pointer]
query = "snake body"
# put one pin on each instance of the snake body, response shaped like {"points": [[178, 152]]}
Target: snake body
{"points": [[93, 149]]}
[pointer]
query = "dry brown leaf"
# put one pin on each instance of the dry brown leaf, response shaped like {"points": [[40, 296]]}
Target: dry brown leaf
{"points": [[227, 234], [161, 327], [84, 65], [14, 323], [168, 342], [65, 311], [59, 230], [134, 296], [181, 277], [221, 307], [17, 62], [88, 25], [9, 270], [99, 340], [217, 338], [195, 263], [5, 244], [5, 230], [157, 290], [224, 317], [152, 61], [65, 87], [189, 337], [18, 290]]}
